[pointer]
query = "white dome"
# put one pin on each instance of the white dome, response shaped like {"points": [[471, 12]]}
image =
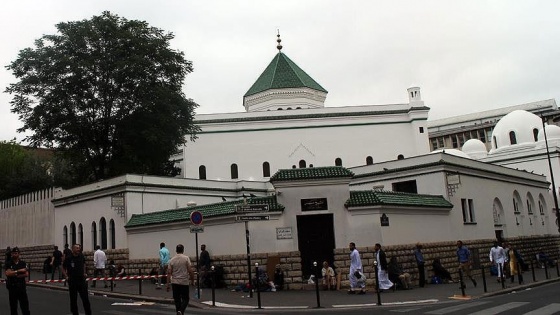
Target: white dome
{"points": [[475, 148], [455, 152], [523, 127], [552, 135]]}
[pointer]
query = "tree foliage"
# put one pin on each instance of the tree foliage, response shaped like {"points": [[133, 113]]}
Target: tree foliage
{"points": [[21, 171], [106, 93]]}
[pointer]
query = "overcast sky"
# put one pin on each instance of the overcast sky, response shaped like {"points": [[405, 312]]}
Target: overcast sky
{"points": [[467, 56]]}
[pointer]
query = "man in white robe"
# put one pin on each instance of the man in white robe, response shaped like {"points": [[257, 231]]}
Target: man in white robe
{"points": [[382, 275], [355, 271], [498, 257]]}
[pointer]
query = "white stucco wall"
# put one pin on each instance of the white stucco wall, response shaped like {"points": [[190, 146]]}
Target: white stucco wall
{"points": [[318, 141]]}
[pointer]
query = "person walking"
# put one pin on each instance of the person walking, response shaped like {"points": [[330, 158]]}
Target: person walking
{"points": [[382, 267], [99, 262], [498, 257], [16, 272], [514, 259], [74, 270], [180, 273], [56, 263], [464, 258], [163, 261], [420, 263], [355, 271]]}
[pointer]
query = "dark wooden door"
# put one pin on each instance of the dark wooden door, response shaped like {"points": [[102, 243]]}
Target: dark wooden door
{"points": [[315, 241]]}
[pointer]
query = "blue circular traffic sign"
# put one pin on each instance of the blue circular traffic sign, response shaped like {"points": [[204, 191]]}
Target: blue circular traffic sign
{"points": [[196, 217]]}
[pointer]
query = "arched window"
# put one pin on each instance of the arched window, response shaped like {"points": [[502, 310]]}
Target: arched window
{"points": [[234, 171], [512, 138], [81, 234], [202, 172], [93, 234], [535, 134], [65, 234], [103, 232], [302, 164], [73, 232], [369, 160], [338, 162], [495, 142], [293, 166], [266, 169], [112, 233], [400, 157]]}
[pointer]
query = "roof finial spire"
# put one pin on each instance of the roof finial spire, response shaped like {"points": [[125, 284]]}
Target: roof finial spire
{"points": [[279, 46]]}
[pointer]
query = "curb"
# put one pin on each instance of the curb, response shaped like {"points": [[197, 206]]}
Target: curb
{"points": [[134, 297], [200, 305]]}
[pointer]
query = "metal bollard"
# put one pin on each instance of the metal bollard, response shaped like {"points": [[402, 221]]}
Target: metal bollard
{"points": [[546, 269], [533, 270], [377, 283], [502, 278], [317, 284], [520, 274], [461, 282], [483, 278], [140, 282], [112, 284], [257, 285], [213, 286]]}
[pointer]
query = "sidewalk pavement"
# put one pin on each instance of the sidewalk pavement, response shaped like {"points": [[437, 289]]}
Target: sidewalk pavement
{"points": [[294, 299]]}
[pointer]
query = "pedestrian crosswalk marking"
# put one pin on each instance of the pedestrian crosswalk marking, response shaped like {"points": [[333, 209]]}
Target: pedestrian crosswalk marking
{"points": [[153, 311], [456, 308], [500, 308], [550, 309]]}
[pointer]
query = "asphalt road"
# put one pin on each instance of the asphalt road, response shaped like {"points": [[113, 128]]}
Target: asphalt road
{"points": [[543, 300]]}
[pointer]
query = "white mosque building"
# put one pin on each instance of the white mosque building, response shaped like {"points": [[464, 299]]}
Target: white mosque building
{"points": [[330, 176], [286, 125]]}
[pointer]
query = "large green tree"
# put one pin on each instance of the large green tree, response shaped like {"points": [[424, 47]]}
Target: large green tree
{"points": [[106, 93], [21, 171]]}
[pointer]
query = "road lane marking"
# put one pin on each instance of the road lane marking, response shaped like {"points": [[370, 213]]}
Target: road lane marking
{"points": [[550, 309], [455, 308], [500, 308]]}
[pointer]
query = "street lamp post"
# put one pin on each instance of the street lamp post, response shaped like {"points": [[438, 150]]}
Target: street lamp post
{"points": [[551, 176]]}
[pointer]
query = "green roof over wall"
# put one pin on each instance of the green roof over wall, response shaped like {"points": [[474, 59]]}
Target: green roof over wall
{"points": [[361, 198], [296, 174], [283, 73], [208, 211]]}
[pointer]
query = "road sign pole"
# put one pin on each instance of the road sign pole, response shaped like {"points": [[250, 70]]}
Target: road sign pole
{"points": [[248, 258], [197, 267]]}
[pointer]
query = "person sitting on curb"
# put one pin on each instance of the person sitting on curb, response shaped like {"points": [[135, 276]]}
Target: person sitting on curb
{"points": [[440, 271], [397, 275]]}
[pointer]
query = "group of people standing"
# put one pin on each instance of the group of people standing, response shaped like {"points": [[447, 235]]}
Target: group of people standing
{"points": [[390, 274], [507, 260]]}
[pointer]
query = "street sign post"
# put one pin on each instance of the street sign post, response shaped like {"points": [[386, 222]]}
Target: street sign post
{"points": [[196, 220], [251, 208], [252, 217], [197, 229]]}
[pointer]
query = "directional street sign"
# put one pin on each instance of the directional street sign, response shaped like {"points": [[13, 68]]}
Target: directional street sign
{"points": [[197, 229], [251, 208], [252, 217]]}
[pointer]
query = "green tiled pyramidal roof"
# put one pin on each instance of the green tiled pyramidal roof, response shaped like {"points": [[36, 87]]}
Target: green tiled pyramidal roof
{"points": [[208, 211], [362, 198], [283, 73], [295, 174]]}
